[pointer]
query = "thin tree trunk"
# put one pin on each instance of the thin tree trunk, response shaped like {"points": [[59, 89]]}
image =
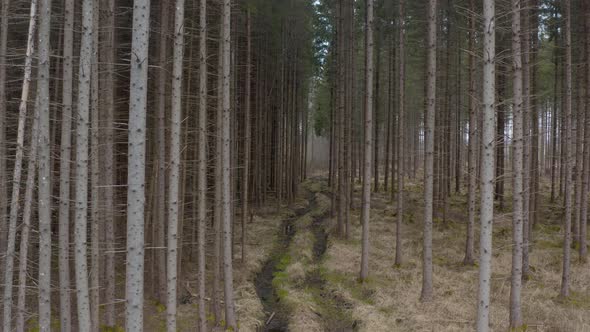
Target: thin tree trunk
{"points": [[517, 169], [401, 127], [426, 294], [159, 226], [64, 171], [247, 133], [3, 151], [472, 157], [567, 238], [586, 177], [81, 210], [107, 55], [174, 174], [487, 162], [202, 165], [26, 225], [96, 226], [230, 319], [368, 140], [136, 166], [44, 190]]}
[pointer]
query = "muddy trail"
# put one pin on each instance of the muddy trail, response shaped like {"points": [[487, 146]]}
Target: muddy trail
{"points": [[333, 311], [277, 316]]}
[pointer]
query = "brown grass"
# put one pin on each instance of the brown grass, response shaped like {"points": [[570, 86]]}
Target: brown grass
{"points": [[394, 303]]}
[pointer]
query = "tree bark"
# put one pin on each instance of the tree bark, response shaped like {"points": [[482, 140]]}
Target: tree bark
{"points": [[401, 127], [368, 140], [202, 165], [26, 225], [487, 162], [430, 117], [82, 128], [64, 170], [230, 319], [3, 151], [136, 166], [44, 190], [567, 237], [107, 56], [517, 168], [472, 153]]}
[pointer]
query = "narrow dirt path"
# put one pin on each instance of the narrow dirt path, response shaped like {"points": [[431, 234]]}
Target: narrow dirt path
{"points": [[277, 318], [333, 311]]}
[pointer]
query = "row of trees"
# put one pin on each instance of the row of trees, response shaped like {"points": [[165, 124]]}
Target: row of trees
{"points": [[174, 135], [463, 138]]}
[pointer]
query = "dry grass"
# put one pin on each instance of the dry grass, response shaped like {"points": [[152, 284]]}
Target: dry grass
{"points": [[393, 304], [261, 236]]}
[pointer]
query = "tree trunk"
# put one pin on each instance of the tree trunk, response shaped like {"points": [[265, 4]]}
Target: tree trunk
{"points": [[368, 140], [586, 170], [3, 151], [426, 294], [96, 225], [107, 55], [44, 190], [517, 168], [160, 223], [247, 133], [487, 162], [82, 126], [472, 153], [202, 165], [136, 166], [26, 225], [230, 319], [174, 173], [567, 238], [64, 170], [401, 127]]}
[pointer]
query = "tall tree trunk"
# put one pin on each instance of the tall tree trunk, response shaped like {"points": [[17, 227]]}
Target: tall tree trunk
{"points": [[174, 174], [3, 155], [247, 132], [136, 166], [487, 162], [586, 170], [401, 127], [368, 140], [107, 56], [64, 170], [26, 225], [202, 165], [96, 225], [230, 319], [527, 141], [567, 238], [160, 223], [430, 117], [517, 168], [472, 157], [16, 178], [82, 126], [44, 190]]}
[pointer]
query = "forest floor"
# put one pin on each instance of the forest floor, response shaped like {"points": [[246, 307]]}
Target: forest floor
{"points": [[299, 276], [315, 274]]}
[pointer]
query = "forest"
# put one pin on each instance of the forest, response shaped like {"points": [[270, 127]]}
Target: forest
{"points": [[294, 165]]}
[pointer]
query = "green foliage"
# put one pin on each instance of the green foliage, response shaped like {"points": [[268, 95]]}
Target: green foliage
{"points": [[115, 328]]}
